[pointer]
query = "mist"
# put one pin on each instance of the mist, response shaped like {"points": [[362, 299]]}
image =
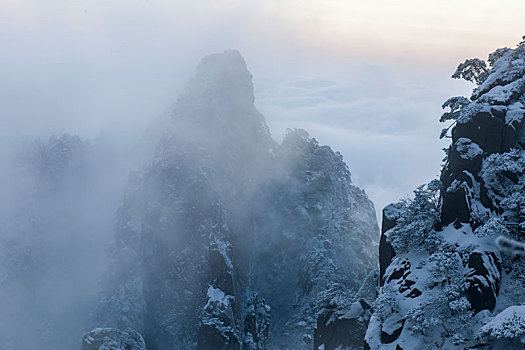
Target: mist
{"points": [[87, 67], [89, 104], [59, 199]]}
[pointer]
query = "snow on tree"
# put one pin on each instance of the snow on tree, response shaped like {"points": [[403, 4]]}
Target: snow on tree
{"points": [[416, 224], [506, 330], [473, 70]]}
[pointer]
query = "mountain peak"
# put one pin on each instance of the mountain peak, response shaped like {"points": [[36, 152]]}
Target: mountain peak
{"points": [[216, 110], [221, 79]]}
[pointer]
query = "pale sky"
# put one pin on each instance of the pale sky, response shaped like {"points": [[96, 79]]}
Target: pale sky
{"points": [[366, 77]]}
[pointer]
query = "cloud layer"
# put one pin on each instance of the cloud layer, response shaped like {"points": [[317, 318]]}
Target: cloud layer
{"points": [[365, 77], [384, 123]]}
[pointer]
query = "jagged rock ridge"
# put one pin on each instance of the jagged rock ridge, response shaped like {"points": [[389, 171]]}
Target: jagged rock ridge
{"points": [[227, 240]]}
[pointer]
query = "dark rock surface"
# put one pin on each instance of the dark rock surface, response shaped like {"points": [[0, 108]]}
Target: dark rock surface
{"points": [[484, 280], [220, 319], [256, 324], [388, 338], [336, 330], [486, 133], [345, 328], [386, 251]]}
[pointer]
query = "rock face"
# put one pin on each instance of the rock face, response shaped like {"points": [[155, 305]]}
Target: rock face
{"points": [[386, 251], [345, 327], [256, 324], [442, 275], [218, 327], [227, 240], [343, 330]]}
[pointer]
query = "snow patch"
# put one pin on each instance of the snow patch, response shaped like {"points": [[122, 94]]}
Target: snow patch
{"points": [[508, 324], [355, 311], [515, 113], [467, 149]]}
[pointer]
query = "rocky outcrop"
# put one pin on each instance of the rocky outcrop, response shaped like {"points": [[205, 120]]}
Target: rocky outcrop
{"points": [[484, 279], [490, 123], [486, 133], [345, 327], [219, 326], [256, 324], [386, 251], [441, 272], [343, 330]]}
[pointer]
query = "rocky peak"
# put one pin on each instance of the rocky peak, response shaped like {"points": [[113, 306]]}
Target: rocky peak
{"points": [[216, 113], [223, 213], [489, 123], [220, 80]]}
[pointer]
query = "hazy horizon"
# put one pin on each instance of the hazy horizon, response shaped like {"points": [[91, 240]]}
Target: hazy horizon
{"points": [[380, 70]]}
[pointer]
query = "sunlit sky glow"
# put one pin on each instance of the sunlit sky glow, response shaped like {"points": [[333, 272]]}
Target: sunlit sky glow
{"points": [[88, 66]]}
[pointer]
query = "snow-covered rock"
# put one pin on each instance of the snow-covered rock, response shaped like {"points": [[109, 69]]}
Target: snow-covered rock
{"points": [[507, 329], [448, 280]]}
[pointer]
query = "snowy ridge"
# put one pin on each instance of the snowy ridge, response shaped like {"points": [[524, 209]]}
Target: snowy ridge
{"points": [[453, 277]]}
